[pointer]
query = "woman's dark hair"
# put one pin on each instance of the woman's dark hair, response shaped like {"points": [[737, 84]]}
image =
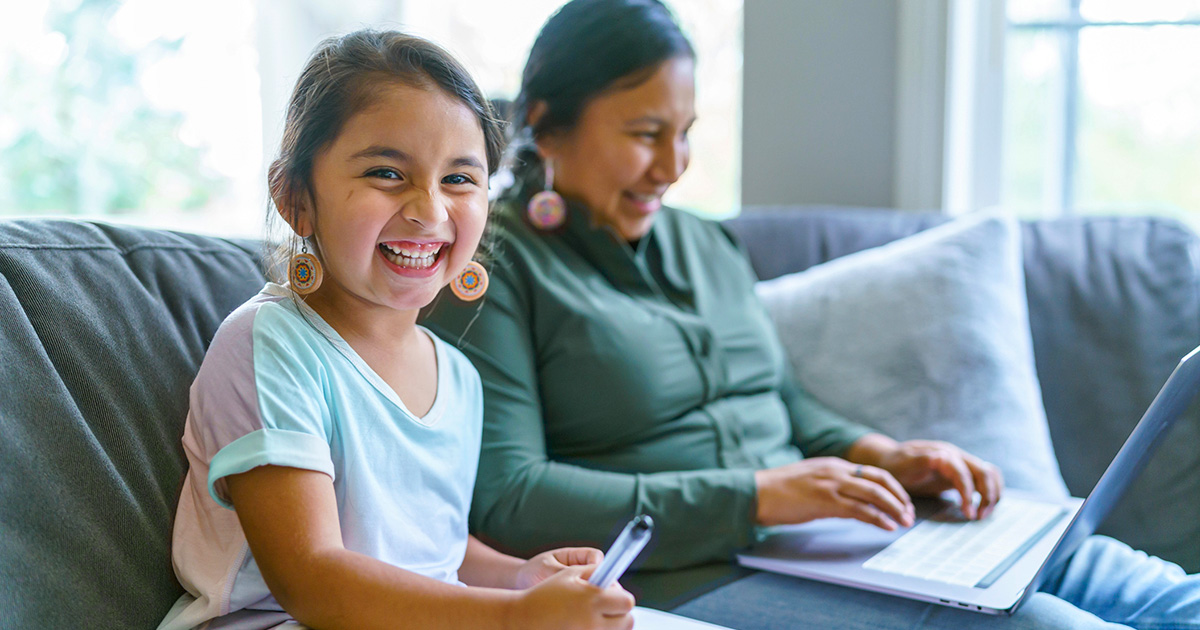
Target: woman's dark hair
{"points": [[344, 76], [588, 47]]}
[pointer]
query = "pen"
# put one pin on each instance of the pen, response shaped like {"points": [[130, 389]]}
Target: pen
{"points": [[624, 549]]}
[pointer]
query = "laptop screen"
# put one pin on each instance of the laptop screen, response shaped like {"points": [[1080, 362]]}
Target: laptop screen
{"points": [[1174, 397]]}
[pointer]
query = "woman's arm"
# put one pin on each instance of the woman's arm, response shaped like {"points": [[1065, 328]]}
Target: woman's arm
{"points": [[290, 519], [826, 484], [817, 429]]}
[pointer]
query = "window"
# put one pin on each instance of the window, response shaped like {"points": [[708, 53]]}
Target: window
{"points": [[1102, 107], [493, 38], [165, 113], [141, 111]]}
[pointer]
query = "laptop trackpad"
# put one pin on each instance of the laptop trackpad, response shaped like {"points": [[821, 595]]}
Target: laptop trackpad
{"points": [[828, 539]]}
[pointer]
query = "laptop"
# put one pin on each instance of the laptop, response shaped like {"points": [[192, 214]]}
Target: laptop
{"points": [[989, 566]]}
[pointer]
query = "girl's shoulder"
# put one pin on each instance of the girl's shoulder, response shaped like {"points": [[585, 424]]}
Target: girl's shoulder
{"points": [[271, 312]]}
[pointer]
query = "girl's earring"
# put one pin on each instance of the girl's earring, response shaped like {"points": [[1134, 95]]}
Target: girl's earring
{"points": [[471, 283], [547, 210], [304, 271]]}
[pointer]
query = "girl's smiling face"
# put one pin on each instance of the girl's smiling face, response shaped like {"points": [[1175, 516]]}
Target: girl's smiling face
{"points": [[400, 200]]}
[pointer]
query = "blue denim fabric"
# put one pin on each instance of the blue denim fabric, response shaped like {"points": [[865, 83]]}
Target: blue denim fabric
{"points": [[1105, 585]]}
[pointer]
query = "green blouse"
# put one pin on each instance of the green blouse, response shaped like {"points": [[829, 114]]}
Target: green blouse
{"points": [[622, 379]]}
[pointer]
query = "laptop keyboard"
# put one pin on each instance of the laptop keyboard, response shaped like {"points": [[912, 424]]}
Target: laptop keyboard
{"points": [[968, 553]]}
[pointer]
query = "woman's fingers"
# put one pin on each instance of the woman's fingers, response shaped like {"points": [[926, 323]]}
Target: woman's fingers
{"points": [[864, 491], [885, 479], [867, 513], [824, 487], [950, 465], [989, 482]]}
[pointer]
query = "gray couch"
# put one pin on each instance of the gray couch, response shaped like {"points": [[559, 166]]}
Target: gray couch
{"points": [[102, 329]]}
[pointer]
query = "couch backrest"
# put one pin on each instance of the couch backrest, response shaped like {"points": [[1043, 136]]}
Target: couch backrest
{"points": [[101, 331], [1114, 304]]}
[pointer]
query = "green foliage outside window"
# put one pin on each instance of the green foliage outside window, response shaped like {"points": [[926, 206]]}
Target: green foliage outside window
{"points": [[88, 140]]}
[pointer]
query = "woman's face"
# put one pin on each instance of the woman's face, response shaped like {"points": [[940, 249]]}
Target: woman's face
{"points": [[628, 147], [401, 200]]}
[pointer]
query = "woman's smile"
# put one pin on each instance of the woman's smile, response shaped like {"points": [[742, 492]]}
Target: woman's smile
{"points": [[643, 204]]}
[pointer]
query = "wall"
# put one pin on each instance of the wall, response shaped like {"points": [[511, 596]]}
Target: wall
{"points": [[819, 102]]}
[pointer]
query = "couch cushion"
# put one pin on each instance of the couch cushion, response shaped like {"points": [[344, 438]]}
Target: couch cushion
{"points": [[103, 329], [1114, 303], [926, 337]]}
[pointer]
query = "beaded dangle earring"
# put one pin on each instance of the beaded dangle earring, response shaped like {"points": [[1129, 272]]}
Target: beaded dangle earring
{"points": [[547, 210], [471, 283], [304, 271]]}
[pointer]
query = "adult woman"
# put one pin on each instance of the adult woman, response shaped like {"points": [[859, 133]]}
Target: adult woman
{"points": [[626, 362]]}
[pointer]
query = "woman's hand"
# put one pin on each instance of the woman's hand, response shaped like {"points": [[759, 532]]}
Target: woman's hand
{"points": [[565, 601], [544, 565], [929, 467], [825, 487]]}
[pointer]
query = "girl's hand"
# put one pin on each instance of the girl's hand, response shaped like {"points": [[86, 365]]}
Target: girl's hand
{"points": [[825, 487], [565, 601], [928, 467], [544, 565]]}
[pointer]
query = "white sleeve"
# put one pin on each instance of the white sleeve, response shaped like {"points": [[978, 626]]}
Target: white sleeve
{"points": [[260, 398]]}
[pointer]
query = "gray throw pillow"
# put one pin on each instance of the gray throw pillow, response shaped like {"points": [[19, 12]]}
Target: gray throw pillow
{"points": [[926, 337]]}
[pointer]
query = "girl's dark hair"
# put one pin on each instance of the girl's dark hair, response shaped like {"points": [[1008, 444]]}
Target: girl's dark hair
{"points": [[344, 76], [589, 46]]}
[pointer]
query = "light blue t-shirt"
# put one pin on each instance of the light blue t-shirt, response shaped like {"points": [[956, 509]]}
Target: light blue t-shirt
{"points": [[279, 386]]}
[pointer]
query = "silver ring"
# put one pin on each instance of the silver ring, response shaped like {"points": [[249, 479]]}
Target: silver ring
{"points": [[858, 471]]}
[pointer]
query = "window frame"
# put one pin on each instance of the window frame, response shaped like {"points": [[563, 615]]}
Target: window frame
{"points": [[1062, 200]]}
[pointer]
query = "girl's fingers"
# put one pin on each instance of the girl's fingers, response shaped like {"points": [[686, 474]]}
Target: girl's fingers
{"points": [[554, 563], [584, 571], [572, 556], [615, 601], [622, 622]]}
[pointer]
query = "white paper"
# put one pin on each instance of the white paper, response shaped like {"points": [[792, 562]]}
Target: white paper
{"points": [[650, 619]]}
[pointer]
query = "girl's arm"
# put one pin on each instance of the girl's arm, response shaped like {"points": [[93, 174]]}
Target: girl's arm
{"points": [[484, 566], [290, 519]]}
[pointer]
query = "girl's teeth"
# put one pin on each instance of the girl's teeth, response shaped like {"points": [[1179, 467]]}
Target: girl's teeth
{"points": [[410, 259]]}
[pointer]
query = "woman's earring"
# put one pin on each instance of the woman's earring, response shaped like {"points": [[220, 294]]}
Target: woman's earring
{"points": [[471, 283], [304, 271], [546, 209]]}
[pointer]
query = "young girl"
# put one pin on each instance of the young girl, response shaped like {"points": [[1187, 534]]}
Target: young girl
{"points": [[332, 442]]}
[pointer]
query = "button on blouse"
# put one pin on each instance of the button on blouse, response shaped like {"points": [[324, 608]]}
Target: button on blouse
{"points": [[628, 378]]}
